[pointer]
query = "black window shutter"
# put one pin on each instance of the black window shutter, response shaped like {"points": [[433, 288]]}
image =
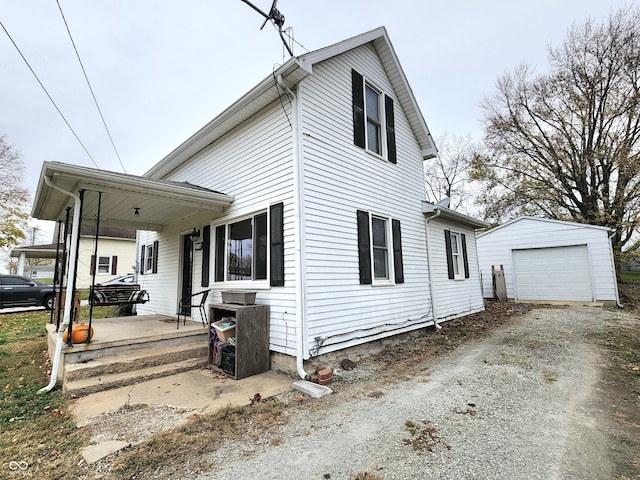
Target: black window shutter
{"points": [[92, 270], [465, 259], [364, 248], [357, 92], [261, 247], [276, 223], [114, 265], [154, 267], [206, 254], [397, 251], [447, 242], [142, 265], [391, 129], [219, 261]]}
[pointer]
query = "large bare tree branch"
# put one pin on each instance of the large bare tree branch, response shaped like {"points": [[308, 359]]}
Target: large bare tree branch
{"points": [[566, 143]]}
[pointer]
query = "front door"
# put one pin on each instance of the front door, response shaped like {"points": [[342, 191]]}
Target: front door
{"points": [[187, 272]]}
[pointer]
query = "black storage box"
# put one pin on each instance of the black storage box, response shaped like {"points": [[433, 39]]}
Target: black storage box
{"points": [[228, 364]]}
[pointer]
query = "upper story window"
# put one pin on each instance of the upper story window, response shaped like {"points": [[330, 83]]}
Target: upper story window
{"points": [[457, 262], [373, 118], [372, 105], [379, 249]]}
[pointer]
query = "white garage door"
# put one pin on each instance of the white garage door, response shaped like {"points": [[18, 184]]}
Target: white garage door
{"points": [[559, 273]]}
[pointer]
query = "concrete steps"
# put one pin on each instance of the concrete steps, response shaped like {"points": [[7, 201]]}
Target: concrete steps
{"points": [[92, 371]]}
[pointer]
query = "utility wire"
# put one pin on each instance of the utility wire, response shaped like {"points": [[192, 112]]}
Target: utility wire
{"points": [[47, 93], [95, 100]]}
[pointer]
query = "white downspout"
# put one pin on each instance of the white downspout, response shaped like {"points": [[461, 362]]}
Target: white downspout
{"points": [[618, 304], [433, 300], [73, 253], [298, 216]]}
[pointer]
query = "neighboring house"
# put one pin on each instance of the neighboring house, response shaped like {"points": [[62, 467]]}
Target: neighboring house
{"points": [[308, 190], [550, 260], [116, 254]]}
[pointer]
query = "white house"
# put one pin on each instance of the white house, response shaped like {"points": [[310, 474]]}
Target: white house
{"points": [[116, 253], [550, 260], [309, 190]]}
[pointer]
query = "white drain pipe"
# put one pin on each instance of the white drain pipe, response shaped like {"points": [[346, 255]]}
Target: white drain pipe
{"points": [[433, 301], [298, 219], [73, 253]]}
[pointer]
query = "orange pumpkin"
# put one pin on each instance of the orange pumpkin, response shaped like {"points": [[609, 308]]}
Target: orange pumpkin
{"points": [[78, 333]]}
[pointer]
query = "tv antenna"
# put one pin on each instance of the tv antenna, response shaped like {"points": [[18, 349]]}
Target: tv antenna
{"points": [[276, 17]]}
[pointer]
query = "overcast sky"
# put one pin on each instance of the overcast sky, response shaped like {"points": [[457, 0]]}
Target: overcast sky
{"points": [[162, 69]]}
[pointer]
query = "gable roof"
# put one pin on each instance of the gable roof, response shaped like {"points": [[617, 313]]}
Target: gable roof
{"points": [[545, 220], [292, 72]]}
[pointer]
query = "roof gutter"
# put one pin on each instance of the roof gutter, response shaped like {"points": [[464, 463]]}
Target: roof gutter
{"points": [[73, 254]]}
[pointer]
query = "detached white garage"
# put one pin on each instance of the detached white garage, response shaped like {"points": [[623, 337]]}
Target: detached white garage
{"points": [[549, 260]]}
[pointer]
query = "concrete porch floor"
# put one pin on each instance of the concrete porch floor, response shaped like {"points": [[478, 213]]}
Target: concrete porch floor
{"points": [[119, 331]]}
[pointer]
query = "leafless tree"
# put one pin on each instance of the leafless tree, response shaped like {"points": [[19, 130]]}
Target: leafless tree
{"points": [[447, 175], [13, 195], [566, 143]]}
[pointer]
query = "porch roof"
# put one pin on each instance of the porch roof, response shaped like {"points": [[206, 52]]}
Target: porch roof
{"points": [[128, 201], [448, 214]]}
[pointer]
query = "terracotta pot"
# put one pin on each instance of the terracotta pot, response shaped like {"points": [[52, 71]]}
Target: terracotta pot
{"points": [[78, 333]]}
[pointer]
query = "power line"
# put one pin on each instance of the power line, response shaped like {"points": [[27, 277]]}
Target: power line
{"points": [[49, 96], [90, 88]]}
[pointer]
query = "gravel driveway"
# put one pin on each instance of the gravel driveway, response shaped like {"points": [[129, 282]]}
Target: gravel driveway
{"points": [[522, 403]]}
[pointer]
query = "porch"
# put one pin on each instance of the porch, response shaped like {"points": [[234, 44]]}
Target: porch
{"points": [[128, 350]]}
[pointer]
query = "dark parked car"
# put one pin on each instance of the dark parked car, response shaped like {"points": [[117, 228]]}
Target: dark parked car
{"points": [[17, 291]]}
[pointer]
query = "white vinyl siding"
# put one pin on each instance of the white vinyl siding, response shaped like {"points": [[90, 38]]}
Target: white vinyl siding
{"points": [[496, 246], [341, 178], [453, 298], [253, 163]]}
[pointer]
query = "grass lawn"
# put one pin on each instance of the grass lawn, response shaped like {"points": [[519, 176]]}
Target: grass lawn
{"points": [[36, 428], [630, 276]]}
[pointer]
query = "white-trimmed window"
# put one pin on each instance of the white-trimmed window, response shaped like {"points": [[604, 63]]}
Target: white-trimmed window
{"points": [[379, 249], [251, 249], [245, 249], [373, 118], [373, 110], [149, 258], [104, 265], [456, 248]]}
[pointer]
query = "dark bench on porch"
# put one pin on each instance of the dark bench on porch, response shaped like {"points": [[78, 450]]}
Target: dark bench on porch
{"points": [[118, 295]]}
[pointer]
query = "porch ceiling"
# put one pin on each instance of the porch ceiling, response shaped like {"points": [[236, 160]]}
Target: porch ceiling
{"points": [[158, 202]]}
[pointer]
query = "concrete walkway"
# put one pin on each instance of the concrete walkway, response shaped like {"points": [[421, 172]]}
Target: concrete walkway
{"points": [[194, 392]]}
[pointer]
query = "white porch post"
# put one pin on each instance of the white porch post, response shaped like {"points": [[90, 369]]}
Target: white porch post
{"points": [[20, 267]]}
